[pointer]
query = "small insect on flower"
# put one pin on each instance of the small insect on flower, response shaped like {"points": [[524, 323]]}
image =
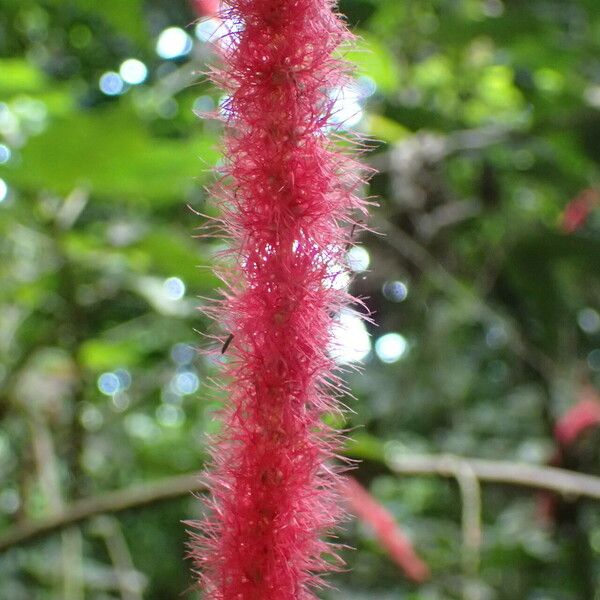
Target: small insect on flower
{"points": [[356, 225], [227, 342]]}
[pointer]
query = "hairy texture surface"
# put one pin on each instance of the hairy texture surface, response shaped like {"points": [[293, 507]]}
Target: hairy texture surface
{"points": [[288, 207]]}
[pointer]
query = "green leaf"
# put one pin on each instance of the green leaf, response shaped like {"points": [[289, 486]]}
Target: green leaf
{"points": [[99, 355], [126, 17], [18, 76], [113, 154], [365, 447], [374, 60], [386, 130], [172, 252]]}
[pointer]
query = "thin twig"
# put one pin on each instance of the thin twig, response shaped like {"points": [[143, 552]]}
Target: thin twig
{"points": [[110, 502], [560, 481], [73, 586], [130, 582], [470, 493]]}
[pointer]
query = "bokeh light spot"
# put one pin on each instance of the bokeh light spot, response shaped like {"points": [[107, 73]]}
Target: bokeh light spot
{"points": [[358, 259], [493, 8], [395, 291], [111, 84], [207, 28], [124, 377], [203, 104], [10, 501], [346, 110], [174, 288], [496, 336], [140, 425], [133, 71], [351, 341], [109, 384], [173, 42], [185, 383], [90, 417], [169, 415], [593, 360], [391, 347], [182, 354], [367, 86], [5, 154], [3, 190], [589, 320], [168, 108], [120, 402]]}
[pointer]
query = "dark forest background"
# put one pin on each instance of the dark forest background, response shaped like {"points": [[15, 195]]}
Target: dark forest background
{"points": [[484, 285]]}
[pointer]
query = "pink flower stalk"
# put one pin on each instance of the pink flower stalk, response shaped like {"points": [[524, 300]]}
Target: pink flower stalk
{"points": [[287, 201], [386, 530]]}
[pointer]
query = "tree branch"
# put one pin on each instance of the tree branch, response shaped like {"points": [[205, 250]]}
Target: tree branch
{"points": [[109, 502], [561, 481], [556, 480]]}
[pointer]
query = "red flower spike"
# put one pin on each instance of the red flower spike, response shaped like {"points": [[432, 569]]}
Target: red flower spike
{"points": [[388, 533], [287, 198]]}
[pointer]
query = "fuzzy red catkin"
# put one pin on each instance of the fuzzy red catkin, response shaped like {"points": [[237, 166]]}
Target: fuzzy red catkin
{"points": [[288, 205]]}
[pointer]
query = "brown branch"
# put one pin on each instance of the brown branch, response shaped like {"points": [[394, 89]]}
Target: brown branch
{"points": [[110, 502], [561, 481], [470, 493], [556, 480]]}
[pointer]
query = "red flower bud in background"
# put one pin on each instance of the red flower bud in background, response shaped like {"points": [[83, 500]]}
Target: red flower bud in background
{"points": [[205, 8], [567, 430], [582, 416], [578, 210], [387, 532]]}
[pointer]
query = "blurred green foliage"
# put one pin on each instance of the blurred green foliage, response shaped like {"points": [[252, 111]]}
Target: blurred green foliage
{"points": [[483, 118]]}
